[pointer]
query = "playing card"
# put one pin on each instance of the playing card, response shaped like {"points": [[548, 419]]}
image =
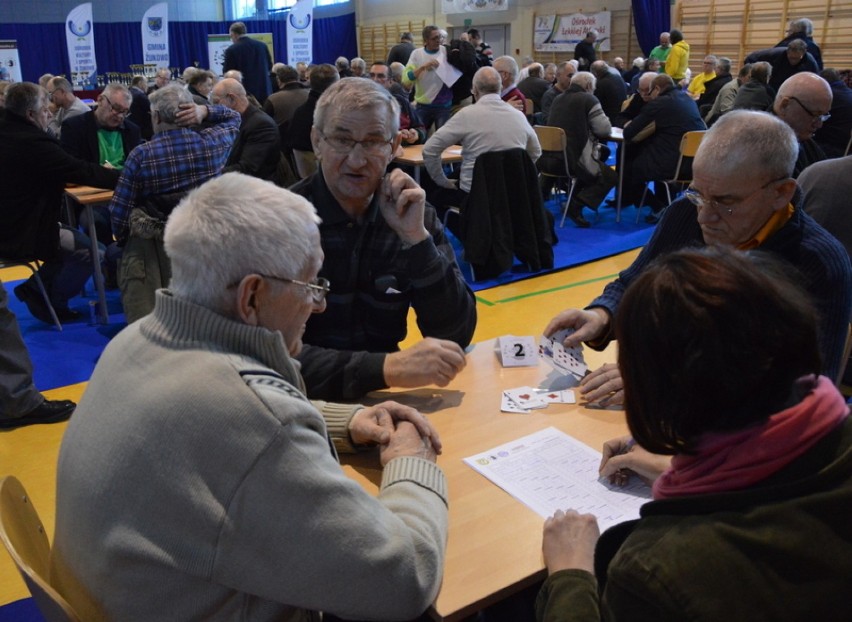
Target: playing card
{"points": [[566, 360], [526, 397], [509, 406], [558, 397]]}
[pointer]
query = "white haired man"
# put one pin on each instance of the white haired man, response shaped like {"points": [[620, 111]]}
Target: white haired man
{"points": [[208, 459], [742, 196]]}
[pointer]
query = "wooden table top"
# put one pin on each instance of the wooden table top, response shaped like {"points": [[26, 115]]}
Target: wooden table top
{"points": [[88, 194], [494, 546], [413, 155]]}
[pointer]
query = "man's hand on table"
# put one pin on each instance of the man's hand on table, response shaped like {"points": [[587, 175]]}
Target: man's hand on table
{"points": [[603, 386], [431, 361], [378, 424], [406, 440]]}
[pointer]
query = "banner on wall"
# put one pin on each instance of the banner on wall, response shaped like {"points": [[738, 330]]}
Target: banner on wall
{"points": [[300, 33], [155, 35], [10, 62], [79, 37], [450, 7], [217, 44], [561, 33]]}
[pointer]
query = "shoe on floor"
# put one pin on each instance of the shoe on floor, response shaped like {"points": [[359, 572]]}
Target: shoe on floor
{"points": [[68, 315], [654, 217], [31, 296], [575, 213], [49, 411]]}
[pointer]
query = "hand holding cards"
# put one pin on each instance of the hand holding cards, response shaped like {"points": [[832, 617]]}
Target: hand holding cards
{"points": [[562, 359]]}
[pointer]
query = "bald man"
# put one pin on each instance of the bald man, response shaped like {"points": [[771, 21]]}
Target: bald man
{"points": [[257, 149], [803, 102]]}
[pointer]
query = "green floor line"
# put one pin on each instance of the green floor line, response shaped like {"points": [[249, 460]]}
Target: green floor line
{"points": [[487, 303], [608, 277]]}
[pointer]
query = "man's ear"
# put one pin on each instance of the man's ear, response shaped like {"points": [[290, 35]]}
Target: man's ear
{"points": [[247, 299], [315, 139], [783, 194]]}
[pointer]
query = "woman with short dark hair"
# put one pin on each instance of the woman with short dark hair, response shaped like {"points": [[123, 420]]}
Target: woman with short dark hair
{"points": [[751, 519]]}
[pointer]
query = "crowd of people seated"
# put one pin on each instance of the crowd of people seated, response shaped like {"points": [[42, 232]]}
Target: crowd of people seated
{"points": [[267, 246]]}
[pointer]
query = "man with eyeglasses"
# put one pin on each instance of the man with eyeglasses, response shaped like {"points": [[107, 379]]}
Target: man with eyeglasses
{"points": [[67, 104], [35, 172], [804, 103], [385, 252], [434, 98], [411, 128], [742, 196], [195, 442], [156, 174], [105, 136]]}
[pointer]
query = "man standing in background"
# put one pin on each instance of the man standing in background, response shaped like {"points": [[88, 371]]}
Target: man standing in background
{"points": [[677, 61], [252, 58], [584, 52], [661, 52]]}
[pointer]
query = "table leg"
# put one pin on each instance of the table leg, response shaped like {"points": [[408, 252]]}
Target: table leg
{"points": [[103, 315], [620, 181]]}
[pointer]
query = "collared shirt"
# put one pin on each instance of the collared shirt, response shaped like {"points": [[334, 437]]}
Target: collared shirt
{"points": [[172, 161], [770, 227], [375, 279]]}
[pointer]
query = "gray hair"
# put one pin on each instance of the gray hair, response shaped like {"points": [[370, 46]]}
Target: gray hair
{"points": [[140, 80], [798, 45], [167, 100], [724, 64], [238, 28], [761, 71], [60, 83], [21, 97], [750, 143], [114, 88], [802, 26], [535, 70], [585, 80], [162, 72], [486, 80], [323, 76], [396, 69], [352, 94], [341, 63], [599, 68], [206, 236], [358, 62], [509, 64], [234, 74]]}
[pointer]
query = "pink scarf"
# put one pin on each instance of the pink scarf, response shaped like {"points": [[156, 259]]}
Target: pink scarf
{"points": [[736, 460]]}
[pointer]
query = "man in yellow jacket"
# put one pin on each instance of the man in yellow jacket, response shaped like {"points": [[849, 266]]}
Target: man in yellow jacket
{"points": [[678, 59]]}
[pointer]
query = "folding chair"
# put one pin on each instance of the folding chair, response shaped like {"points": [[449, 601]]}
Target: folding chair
{"points": [[689, 143], [9, 263], [554, 139], [23, 536]]}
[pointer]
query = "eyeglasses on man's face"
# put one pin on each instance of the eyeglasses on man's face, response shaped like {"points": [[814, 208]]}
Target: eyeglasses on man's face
{"points": [[726, 204], [816, 115], [344, 144], [121, 112], [318, 288]]}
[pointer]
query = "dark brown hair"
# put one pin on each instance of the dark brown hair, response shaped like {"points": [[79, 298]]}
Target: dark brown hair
{"points": [[711, 340]]}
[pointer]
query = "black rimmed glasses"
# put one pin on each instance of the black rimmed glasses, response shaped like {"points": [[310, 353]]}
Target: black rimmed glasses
{"points": [[724, 205], [122, 112], [822, 117], [344, 144]]}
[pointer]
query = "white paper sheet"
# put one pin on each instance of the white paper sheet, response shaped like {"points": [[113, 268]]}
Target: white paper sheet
{"points": [[550, 470], [448, 73]]}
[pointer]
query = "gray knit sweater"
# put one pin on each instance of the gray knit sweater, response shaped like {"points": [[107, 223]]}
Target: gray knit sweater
{"points": [[196, 482]]}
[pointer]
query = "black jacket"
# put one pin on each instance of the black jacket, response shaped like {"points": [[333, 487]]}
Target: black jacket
{"points": [[35, 171], [504, 215], [251, 57], [258, 146], [80, 137]]}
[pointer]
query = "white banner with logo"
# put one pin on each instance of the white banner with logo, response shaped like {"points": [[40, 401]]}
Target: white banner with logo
{"points": [[560, 33], [300, 29], [450, 7], [155, 35], [10, 62], [80, 39], [217, 44]]}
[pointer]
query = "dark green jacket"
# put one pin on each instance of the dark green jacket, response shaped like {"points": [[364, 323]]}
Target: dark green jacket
{"points": [[778, 551]]}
